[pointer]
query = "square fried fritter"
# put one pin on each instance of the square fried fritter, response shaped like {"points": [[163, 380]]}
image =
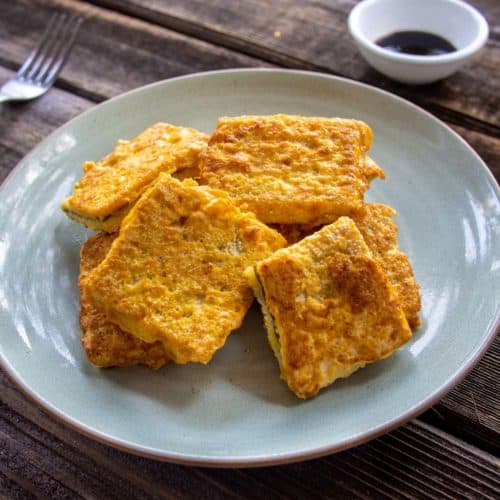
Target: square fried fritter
{"points": [[110, 186], [291, 169], [376, 224], [329, 308], [105, 343], [175, 272]]}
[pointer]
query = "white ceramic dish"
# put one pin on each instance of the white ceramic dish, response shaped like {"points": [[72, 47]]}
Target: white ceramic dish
{"points": [[454, 20], [236, 411]]}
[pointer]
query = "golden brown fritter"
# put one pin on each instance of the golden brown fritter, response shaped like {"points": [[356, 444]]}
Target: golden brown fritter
{"points": [[175, 272], [372, 169], [291, 169], [329, 308], [379, 231], [376, 224], [110, 187], [105, 343]]}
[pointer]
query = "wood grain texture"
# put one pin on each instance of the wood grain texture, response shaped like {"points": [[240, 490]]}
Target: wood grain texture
{"points": [[471, 413], [113, 53], [491, 11], [150, 40], [486, 146], [312, 34], [147, 53], [412, 462], [12, 490]]}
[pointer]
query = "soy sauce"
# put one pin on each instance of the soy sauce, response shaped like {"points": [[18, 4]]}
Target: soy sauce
{"points": [[420, 43]]}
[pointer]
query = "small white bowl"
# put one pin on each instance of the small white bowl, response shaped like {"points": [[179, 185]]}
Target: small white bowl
{"points": [[454, 20]]}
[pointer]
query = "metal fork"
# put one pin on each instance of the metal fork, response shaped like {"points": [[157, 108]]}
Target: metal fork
{"points": [[42, 66]]}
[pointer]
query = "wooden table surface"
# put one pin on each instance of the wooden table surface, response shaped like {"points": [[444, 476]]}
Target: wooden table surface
{"points": [[448, 452]]}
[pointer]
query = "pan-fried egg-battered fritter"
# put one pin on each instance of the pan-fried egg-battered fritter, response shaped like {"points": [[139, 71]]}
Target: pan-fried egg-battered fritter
{"points": [[291, 169], [376, 224], [175, 272], [105, 343], [371, 169], [110, 187], [329, 308]]}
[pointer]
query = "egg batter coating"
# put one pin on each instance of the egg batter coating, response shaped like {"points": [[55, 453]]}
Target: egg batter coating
{"points": [[291, 169], [110, 187], [105, 343], [371, 169], [175, 272], [329, 308], [376, 224]]}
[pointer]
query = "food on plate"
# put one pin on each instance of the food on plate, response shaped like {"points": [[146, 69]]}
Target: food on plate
{"points": [[111, 186], [177, 278], [291, 169], [329, 307], [105, 343], [175, 272], [371, 169], [376, 224]]}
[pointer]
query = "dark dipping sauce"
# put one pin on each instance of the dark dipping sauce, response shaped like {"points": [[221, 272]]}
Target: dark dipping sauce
{"points": [[419, 43]]}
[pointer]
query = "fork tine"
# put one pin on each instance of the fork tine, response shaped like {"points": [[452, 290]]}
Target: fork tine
{"points": [[59, 51], [36, 52], [47, 48], [63, 55]]}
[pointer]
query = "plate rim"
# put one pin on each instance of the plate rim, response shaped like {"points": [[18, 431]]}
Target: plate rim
{"points": [[266, 459]]}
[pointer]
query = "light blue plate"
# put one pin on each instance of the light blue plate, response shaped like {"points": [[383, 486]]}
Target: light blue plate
{"points": [[236, 411]]}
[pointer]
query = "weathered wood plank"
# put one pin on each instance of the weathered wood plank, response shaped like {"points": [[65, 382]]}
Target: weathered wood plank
{"points": [[33, 122], [53, 469], [412, 462], [113, 53], [22, 126], [472, 410], [421, 461], [9, 159], [38, 456], [486, 146], [128, 476], [313, 35], [11, 490], [88, 471], [14, 463], [491, 11], [131, 53], [479, 409]]}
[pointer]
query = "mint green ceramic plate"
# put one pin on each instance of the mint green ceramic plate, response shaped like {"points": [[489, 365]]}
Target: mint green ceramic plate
{"points": [[236, 411]]}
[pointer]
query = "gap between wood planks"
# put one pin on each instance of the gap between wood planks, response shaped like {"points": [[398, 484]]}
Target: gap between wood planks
{"points": [[113, 53], [195, 54], [414, 458], [252, 48]]}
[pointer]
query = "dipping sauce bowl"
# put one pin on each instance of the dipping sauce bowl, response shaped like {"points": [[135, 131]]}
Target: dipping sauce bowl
{"points": [[454, 20]]}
